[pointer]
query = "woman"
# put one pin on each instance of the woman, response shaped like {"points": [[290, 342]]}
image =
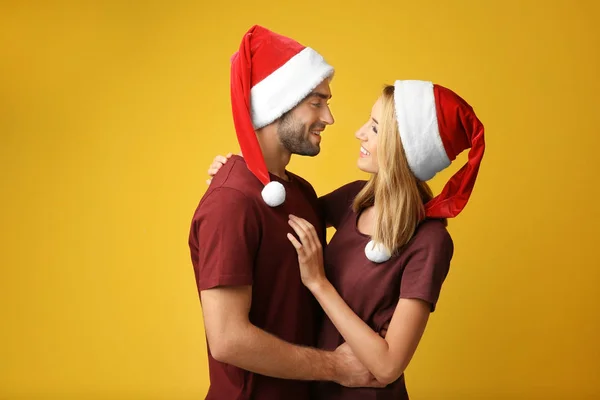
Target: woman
{"points": [[383, 269]]}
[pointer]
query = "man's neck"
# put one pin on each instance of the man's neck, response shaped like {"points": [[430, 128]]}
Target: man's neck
{"points": [[276, 156]]}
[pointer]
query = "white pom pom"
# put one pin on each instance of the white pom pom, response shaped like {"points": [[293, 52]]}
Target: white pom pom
{"points": [[273, 194], [377, 252]]}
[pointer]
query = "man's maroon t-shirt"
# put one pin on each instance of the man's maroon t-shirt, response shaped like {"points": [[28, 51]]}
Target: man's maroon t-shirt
{"points": [[237, 239], [373, 290]]}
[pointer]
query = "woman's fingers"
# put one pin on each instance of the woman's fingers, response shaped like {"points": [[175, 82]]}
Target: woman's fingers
{"points": [[310, 234], [295, 242], [300, 232], [221, 159]]}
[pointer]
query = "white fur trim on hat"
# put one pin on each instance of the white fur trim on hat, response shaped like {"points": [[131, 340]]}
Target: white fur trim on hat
{"points": [[377, 252], [417, 121], [273, 194], [284, 88]]}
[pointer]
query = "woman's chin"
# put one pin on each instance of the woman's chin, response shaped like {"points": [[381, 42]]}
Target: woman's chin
{"points": [[366, 166]]}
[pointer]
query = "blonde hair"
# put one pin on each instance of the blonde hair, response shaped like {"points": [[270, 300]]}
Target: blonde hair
{"points": [[399, 195]]}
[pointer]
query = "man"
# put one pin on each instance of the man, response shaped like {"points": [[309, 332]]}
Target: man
{"points": [[260, 321]]}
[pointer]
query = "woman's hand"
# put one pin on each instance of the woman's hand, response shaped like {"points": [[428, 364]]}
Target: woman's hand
{"points": [[310, 253], [216, 165]]}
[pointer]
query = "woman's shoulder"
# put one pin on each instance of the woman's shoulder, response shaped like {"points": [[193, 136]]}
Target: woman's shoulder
{"points": [[350, 189], [337, 205], [432, 232]]}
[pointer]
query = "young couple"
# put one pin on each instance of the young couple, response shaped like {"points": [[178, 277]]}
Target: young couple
{"points": [[285, 316]]}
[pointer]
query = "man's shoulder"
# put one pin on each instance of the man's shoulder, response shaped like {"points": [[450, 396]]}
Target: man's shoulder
{"points": [[303, 185], [225, 195], [236, 175], [233, 189], [300, 180]]}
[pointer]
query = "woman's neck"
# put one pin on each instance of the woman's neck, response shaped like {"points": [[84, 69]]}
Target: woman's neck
{"points": [[366, 221]]}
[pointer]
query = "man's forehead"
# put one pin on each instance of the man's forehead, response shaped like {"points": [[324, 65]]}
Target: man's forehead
{"points": [[323, 91], [320, 94], [323, 87]]}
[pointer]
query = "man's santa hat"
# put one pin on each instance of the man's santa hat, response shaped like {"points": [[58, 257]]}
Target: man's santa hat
{"points": [[270, 75], [436, 125]]}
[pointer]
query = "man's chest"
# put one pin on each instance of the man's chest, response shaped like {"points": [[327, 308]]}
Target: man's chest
{"points": [[275, 222]]}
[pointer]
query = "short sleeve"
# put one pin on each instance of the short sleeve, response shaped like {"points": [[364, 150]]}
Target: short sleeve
{"points": [[427, 265], [224, 239], [335, 205]]}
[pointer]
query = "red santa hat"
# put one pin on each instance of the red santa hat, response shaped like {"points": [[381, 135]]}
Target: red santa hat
{"points": [[436, 125], [270, 75]]}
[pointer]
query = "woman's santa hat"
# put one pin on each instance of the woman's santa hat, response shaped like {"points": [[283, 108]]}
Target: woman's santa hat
{"points": [[436, 125], [270, 75]]}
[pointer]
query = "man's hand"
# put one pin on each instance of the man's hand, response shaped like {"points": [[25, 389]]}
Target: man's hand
{"points": [[350, 371]]}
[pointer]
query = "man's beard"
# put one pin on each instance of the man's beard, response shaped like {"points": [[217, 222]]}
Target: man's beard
{"points": [[294, 136]]}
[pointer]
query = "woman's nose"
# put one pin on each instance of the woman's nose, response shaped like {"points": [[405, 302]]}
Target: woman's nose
{"points": [[360, 133]]}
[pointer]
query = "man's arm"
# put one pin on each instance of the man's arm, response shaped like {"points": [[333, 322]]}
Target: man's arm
{"points": [[232, 339]]}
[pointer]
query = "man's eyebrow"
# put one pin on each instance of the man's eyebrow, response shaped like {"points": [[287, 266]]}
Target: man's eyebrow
{"points": [[374, 120], [320, 95]]}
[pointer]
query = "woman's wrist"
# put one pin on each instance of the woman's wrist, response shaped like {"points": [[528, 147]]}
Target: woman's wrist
{"points": [[319, 286]]}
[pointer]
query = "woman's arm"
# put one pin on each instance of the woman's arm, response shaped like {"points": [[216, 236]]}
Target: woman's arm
{"points": [[386, 358]]}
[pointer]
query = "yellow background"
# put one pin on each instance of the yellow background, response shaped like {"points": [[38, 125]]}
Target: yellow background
{"points": [[110, 113]]}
